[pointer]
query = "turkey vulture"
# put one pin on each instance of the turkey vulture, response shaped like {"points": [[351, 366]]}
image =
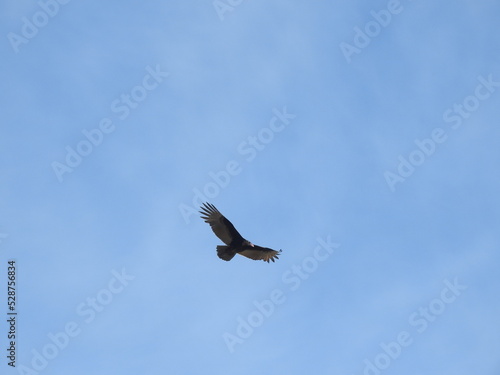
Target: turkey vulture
{"points": [[223, 229]]}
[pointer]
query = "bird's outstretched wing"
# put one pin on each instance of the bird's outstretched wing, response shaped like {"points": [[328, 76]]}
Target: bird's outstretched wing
{"points": [[260, 253], [221, 226]]}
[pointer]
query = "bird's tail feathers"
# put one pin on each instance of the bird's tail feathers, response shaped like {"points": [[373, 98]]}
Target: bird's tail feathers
{"points": [[225, 252]]}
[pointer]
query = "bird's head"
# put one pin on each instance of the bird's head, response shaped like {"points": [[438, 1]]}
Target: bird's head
{"points": [[248, 243]]}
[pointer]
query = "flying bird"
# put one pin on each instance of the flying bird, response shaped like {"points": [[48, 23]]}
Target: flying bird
{"points": [[235, 243]]}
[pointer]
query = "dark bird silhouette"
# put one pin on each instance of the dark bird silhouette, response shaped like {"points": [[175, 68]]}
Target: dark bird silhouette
{"points": [[235, 243]]}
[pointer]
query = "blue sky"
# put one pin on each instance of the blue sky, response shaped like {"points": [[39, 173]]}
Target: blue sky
{"points": [[375, 170]]}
